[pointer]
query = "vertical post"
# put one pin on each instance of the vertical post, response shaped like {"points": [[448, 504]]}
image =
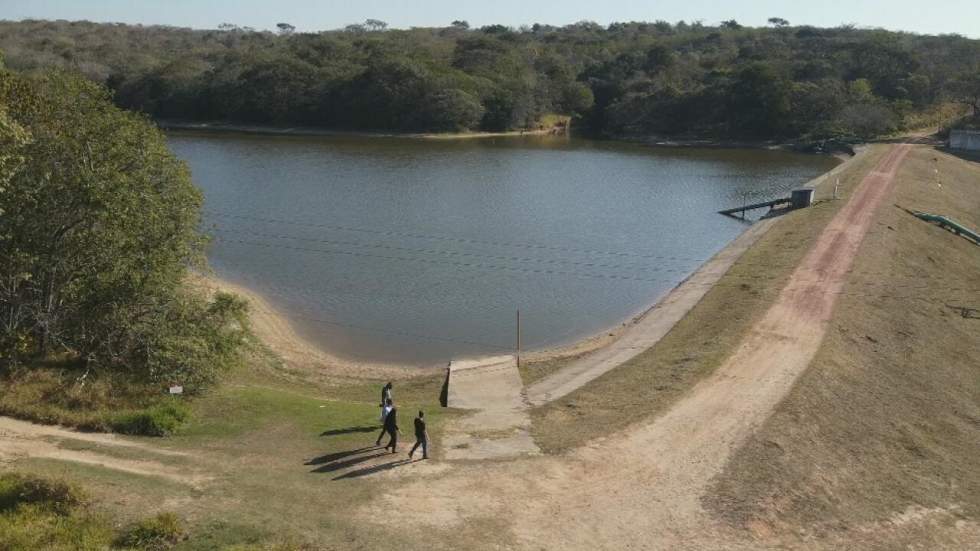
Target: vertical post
{"points": [[518, 338], [836, 187]]}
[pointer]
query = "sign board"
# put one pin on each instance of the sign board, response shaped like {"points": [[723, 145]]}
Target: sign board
{"points": [[176, 389]]}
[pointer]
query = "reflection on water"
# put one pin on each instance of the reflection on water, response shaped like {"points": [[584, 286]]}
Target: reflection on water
{"points": [[417, 251]]}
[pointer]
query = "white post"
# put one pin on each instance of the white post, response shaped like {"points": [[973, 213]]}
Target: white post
{"points": [[518, 338]]}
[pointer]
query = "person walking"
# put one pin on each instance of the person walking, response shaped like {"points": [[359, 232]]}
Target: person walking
{"points": [[385, 394], [386, 407], [421, 436], [391, 427]]}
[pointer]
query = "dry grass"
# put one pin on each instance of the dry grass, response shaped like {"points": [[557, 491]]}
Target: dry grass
{"points": [[885, 424], [651, 382], [532, 372], [61, 392]]}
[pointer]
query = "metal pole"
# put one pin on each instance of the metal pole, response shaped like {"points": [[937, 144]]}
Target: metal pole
{"points": [[518, 338]]}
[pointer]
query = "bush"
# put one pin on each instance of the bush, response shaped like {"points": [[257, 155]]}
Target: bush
{"points": [[43, 514], [52, 495], [99, 224], [159, 532], [159, 420], [64, 393]]}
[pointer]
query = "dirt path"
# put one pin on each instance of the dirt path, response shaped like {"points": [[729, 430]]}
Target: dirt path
{"points": [[20, 439], [642, 490]]}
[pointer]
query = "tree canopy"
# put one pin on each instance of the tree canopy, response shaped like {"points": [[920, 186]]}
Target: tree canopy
{"points": [[679, 79], [99, 226]]}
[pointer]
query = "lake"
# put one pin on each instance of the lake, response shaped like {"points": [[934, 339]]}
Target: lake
{"points": [[419, 251]]}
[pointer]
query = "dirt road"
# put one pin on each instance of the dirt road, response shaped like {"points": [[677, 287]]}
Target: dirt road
{"points": [[642, 490], [22, 439]]}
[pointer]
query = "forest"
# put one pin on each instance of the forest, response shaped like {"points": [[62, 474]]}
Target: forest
{"points": [[686, 80]]}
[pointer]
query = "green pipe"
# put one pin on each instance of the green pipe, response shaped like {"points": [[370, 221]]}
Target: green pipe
{"points": [[956, 227]]}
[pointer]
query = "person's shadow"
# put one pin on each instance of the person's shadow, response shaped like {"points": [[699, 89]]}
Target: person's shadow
{"points": [[350, 430], [358, 473], [330, 457]]}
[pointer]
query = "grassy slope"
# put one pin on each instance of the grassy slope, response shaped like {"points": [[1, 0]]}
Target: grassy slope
{"points": [[887, 418], [274, 448], [651, 382]]}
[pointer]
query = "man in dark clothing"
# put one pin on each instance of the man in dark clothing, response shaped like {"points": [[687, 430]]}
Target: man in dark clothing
{"points": [[385, 409], [391, 427], [421, 437]]}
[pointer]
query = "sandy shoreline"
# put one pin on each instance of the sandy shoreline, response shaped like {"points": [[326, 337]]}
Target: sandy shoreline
{"points": [[277, 332]]}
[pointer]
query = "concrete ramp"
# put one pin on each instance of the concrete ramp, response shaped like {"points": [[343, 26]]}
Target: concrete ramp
{"points": [[499, 425]]}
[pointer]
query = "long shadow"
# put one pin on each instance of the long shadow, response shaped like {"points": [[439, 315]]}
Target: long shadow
{"points": [[375, 469], [338, 465], [350, 430], [338, 455]]}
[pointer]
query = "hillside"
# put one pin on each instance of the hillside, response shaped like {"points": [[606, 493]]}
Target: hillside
{"points": [[878, 441], [682, 79]]}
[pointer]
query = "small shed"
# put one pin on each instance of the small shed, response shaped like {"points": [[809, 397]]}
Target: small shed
{"points": [[802, 198]]}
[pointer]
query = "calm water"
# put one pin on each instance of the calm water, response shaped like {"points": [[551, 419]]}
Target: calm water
{"points": [[420, 251]]}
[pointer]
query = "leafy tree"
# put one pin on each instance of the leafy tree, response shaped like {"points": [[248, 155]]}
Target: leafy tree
{"points": [[462, 25], [629, 77], [99, 228], [778, 22], [759, 101], [966, 90], [450, 110], [13, 138], [285, 28], [375, 25]]}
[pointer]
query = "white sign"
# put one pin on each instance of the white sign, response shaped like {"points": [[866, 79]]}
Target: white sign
{"points": [[176, 390]]}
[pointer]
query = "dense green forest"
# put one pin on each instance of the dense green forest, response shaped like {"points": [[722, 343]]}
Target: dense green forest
{"points": [[682, 79]]}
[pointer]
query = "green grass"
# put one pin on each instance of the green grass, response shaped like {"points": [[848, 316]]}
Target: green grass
{"points": [[161, 531], [273, 444], [276, 451]]}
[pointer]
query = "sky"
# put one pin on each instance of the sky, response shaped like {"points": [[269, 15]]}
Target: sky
{"points": [[935, 17]]}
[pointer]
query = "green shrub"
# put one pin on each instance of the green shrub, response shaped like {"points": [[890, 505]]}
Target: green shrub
{"points": [[159, 532], [52, 495], [36, 513], [100, 400], [99, 223], [159, 420]]}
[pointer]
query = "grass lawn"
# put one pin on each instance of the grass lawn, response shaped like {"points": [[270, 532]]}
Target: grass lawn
{"points": [[287, 463]]}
